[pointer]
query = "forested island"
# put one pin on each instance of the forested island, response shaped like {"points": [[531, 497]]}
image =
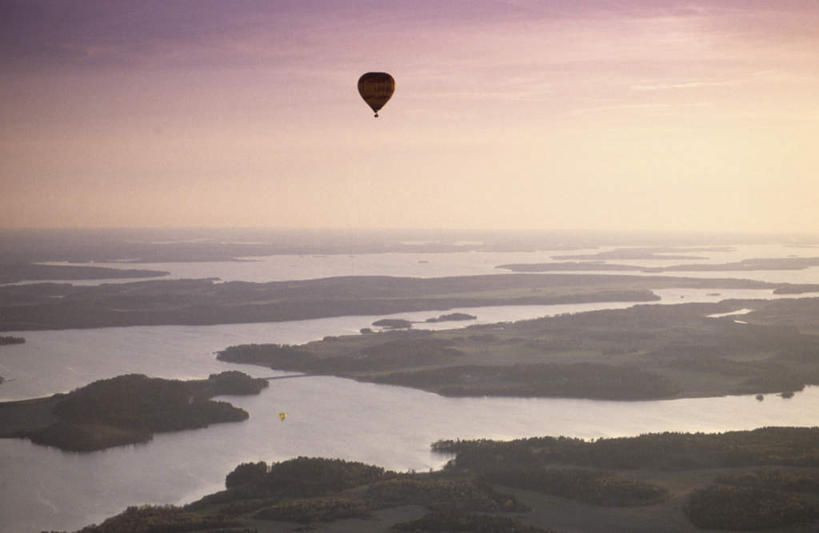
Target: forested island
{"points": [[644, 352], [402, 323], [204, 301], [742, 480], [451, 317], [125, 410]]}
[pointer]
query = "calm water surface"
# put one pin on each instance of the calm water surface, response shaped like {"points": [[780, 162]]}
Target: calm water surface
{"points": [[428, 265], [44, 488]]}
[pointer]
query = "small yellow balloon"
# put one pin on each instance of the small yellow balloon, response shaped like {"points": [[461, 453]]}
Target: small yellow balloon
{"points": [[282, 416]]}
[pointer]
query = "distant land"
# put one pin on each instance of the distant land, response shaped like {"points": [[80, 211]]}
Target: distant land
{"points": [[644, 352], [34, 272], [125, 410], [153, 245], [660, 253], [741, 480], [203, 302], [782, 263], [158, 245]]}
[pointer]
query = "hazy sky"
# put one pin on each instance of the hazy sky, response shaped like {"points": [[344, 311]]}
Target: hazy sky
{"points": [[553, 114]]}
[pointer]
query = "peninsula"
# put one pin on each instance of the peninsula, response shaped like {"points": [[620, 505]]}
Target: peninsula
{"points": [[644, 352]]}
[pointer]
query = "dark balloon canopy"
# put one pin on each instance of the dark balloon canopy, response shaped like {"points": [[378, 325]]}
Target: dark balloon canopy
{"points": [[376, 88]]}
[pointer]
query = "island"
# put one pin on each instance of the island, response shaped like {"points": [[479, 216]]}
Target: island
{"points": [[393, 323], [206, 302], [125, 409], [640, 353], [741, 480], [451, 317]]}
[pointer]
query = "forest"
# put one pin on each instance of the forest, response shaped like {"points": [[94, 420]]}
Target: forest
{"points": [[739, 481]]}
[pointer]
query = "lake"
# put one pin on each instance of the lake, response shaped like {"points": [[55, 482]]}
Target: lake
{"points": [[44, 488]]}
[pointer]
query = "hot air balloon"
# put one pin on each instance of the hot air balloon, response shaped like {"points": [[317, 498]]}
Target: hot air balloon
{"points": [[376, 88], [282, 416]]}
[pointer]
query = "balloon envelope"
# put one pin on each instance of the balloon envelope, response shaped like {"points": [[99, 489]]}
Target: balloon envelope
{"points": [[376, 88]]}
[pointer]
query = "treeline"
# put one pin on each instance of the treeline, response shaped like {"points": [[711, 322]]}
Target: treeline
{"points": [[314, 489], [441, 494], [319, 509], [451, 522], [748, 508], [662, 451], [165, 519], [591, 486], [782, 480], [8, 339], [760, 499], [252, 486]]}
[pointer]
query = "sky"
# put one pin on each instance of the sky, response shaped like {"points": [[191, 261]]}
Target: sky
{"points": [[508, 114]]}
